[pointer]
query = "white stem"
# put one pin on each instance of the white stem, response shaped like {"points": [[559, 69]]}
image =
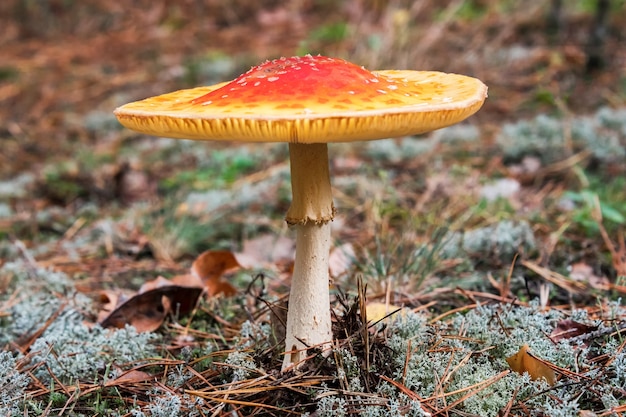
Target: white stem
{"points": [[308, 318]]}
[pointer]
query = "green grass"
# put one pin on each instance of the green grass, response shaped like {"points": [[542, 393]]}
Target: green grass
{"points": [[606, 198]]}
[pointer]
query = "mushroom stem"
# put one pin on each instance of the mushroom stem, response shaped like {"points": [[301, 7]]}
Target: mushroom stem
{"points": [[312, 199], [308, 317]]}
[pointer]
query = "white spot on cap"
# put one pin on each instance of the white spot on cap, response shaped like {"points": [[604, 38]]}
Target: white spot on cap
{"points": [[272, 79], [206, 103], [392, 87], [382, 91], [350, 92], [258, 83], [225, 95], [374, 80]]}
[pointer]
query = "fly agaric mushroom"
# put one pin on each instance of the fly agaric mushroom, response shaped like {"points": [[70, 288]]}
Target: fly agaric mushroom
{"points": [[308, 102]]}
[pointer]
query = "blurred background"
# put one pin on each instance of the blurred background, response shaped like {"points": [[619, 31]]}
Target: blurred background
{"points": [[65, 65]]}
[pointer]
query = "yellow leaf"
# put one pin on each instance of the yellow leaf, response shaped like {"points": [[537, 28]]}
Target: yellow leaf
{"points": [[378, 311], [524, 361]]}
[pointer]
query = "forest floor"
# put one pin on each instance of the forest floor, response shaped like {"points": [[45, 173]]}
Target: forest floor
{"points": [[524, 204]]}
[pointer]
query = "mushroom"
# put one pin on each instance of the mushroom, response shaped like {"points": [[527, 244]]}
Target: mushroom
{"points": [[309, 102]]}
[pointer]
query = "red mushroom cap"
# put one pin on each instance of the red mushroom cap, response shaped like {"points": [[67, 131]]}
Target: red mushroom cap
{"points": [[311, 99]]}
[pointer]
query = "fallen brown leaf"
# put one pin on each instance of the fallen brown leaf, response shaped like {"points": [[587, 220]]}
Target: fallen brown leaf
{"points": [[209, 267], [146, 311], [524, 361], [132, 376], [568, 328], [157, 298]]}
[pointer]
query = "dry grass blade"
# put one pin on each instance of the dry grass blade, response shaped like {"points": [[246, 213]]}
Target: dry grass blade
{"points": [[556, 278], [452, 312], [253, 392], [249, 404], [473, 390], [412, 394], [362, 290], [614, 411]]}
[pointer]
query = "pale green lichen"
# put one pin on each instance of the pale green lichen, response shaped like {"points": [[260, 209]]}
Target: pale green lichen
{"points": [[168, 404], [67, 348], [501, 240], [459, 354], [349, 369], [332, 406], [39, 295], [397, 150], [12, 386], [603, 134], [241, 365], [481, 340], [73, 352]]}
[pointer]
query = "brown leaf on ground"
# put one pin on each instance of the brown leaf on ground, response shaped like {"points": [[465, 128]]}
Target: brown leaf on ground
{"points": [[108, 300], [157, 298], [209, 267], [146, 311], [568, 328], [132, 376], [524, 361]]}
